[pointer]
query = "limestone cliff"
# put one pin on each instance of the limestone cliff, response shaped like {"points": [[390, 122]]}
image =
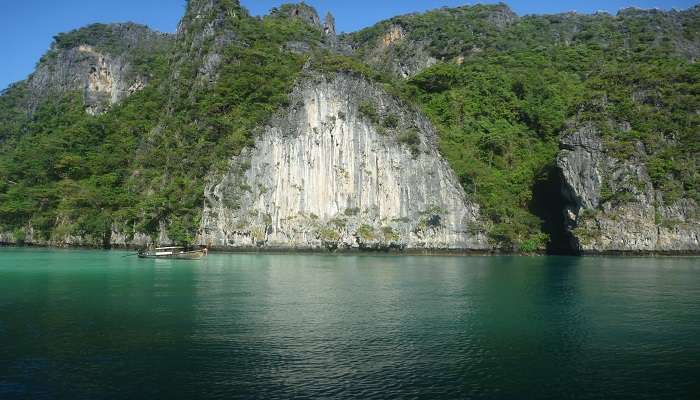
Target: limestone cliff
{"points": [[613, 206], [99, 61], [400, 55], [345, 166]]}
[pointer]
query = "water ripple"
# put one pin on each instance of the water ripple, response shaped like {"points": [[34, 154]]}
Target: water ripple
{"points": [[90, 325]]}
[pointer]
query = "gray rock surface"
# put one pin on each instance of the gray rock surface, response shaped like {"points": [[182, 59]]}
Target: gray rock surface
{"points": [[100, 67], [302, 11], [323, 175], [613, 206], [402, 56], [309, 15], [329, 25], [202, 36], [117, 239]]}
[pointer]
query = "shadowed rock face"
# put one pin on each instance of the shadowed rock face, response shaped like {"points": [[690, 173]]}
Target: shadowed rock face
{"points": [[324, 175], [613, 206], [102, 78]]}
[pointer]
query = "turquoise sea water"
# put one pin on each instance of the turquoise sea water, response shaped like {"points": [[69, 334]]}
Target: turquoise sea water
{"points": [[96, 325]]}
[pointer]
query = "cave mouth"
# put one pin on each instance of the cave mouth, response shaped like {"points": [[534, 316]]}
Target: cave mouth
{"points": [[549, 204]]}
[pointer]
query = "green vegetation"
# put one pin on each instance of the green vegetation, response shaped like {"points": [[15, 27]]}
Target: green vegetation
{"points": [[498, 120], [139, 166], [475, 31], [366, 233], [390, 121], [500, 115], [101, 36], [368, 110], [70, 166], [659, 98], [351, 211], [410, 138], [501, 112], [326, 62], [12, 115], [389, 234], [329, 234]]}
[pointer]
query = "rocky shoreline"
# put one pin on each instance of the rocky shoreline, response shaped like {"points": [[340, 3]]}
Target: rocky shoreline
{"points": [[382, 251]]}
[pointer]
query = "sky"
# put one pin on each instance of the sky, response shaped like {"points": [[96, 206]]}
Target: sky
{"points": [[27, 27]]}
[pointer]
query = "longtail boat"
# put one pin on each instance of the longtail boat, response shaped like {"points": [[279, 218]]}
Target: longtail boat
{"points": [[174, 253]]}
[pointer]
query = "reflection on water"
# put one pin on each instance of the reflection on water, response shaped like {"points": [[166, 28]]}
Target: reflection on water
{"points": [[100, 325]]}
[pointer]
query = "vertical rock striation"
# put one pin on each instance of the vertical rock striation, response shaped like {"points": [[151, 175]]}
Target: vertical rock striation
{"points": [[613, 206], [324, 174]]}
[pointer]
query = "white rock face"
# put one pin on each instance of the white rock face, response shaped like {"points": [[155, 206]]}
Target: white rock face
{"points": [[324, 175], [101, 83]]}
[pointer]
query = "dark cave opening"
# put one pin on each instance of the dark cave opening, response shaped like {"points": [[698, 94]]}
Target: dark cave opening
{"points": [[549, 204]]}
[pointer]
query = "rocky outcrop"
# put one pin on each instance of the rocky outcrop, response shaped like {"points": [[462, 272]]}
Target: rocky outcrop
{"points": [[309, 15], [202, 35], [612, 204], [119, 237], [301, 11], [329, 25], [346, 166], [96, 61], [399, 55], [499, 15]]}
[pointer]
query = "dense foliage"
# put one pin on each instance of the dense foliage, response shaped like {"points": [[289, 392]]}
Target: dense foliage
{"points": [[498, 120], [143, 164], [500, 117], [448, 33]]}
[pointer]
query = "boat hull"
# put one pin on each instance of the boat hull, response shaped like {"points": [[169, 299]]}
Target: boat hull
{"points": [[188, 255]]}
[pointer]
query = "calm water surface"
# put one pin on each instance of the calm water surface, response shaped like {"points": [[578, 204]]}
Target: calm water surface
{"points": [[95, 325]]}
